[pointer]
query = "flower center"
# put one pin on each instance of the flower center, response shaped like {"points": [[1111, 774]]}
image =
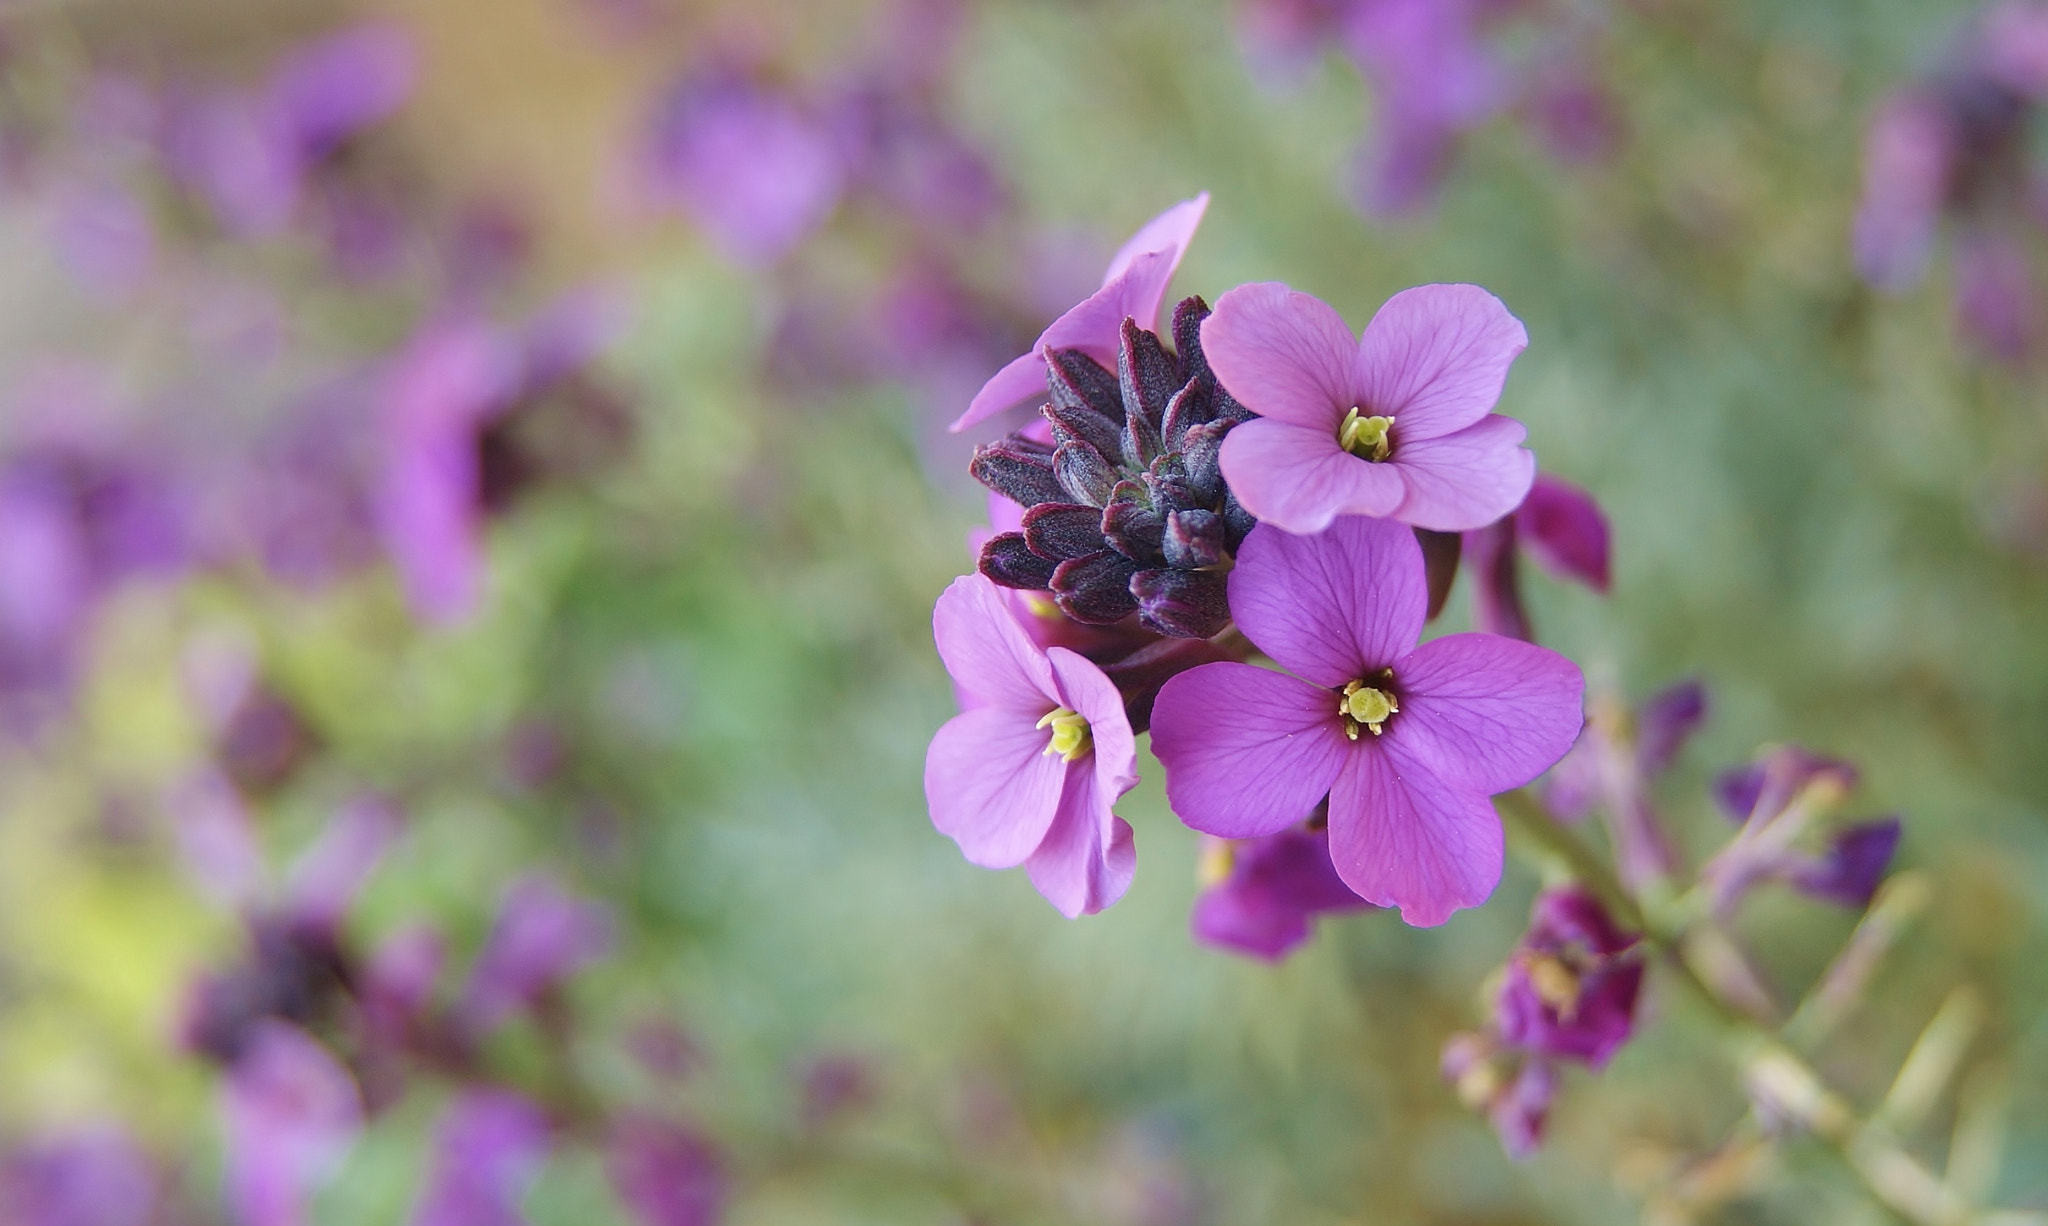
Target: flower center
{"points": [[1368, 705], [1556, 984], [1367, 438], [1071, 739]]}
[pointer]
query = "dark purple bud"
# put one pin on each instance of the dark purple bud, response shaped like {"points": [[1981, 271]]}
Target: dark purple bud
{"points": [[1440, 551], [1084, 425], [1857, 859], [1167, 487], [1194, 539], [1665, 723], [1262, 893], [1134, 530], [1007, 560], [1563, 529], [1018, 469], [1140, 675], [1237, 522], [1148, 377], [1201, 450], [1095, 590], [1079, 383], [1058, 531], [1189, 604], [664, 1174], [1572, 983], [1084, 474], [1188, 408], [1187, 339], [488, 1149], [1141, 443]]}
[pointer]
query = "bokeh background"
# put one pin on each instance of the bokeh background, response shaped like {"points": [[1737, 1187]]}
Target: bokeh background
{"points": [[694, 680]]}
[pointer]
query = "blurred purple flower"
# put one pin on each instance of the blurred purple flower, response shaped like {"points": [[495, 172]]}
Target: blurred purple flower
{"points": [[329, 90], [103, 234], [291, 1113], [1572, 984], [91, 1177], [217, 838], [1907, 157], [1451, 722], [542, 937], [1997, 301], [665, 1174], [1261, 894], [1514, 1089], [1432, 80], [835, 1085], [1004, 788], [1396, 423], [749, 165], [1778, 800], [1858, 856], [488, 1149]]}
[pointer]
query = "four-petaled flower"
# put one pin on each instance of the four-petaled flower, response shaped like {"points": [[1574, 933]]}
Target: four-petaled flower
{"points": [[1028, 772], [1409, 742], [1399, 423]]}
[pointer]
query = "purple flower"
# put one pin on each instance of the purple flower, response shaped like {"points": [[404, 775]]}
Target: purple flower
{"points": [[1572, 984], [1028, 772], [329, 90], [1779, 799], [1262, 893], [93, 1177], [1399, 423], [666, 1175], [1907, 156], [489, 1147], [291, 1113], [1996, 304], [541, 938], [1433, 80], [1409, 742], [1514, 1089], [1133, 288], [1858, 856]]}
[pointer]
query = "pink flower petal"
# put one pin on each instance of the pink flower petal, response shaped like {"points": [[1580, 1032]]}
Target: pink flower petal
{"points": [[1484, 713], [1299, 479], [1401, 838], [1171, 231], [1435, 357], [1283, 354], [1015, 383], [1331, 608], [1247, 751], [1087, 859], [987, 652], [991, 786], [1563, 529], [1466, 480]]}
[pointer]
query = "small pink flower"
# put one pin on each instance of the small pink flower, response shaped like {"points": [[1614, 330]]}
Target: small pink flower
{"points": [[1409, 742], [1028, 772], [1397, 424], [1133, 288]]}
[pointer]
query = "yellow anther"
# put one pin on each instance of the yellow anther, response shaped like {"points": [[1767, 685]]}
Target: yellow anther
{"points": [[1367, 705], [1556, 984], [1218, 857], [1071, 739], [1366, 437]]}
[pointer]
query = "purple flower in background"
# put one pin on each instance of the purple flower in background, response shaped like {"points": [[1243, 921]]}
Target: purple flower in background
{"points": [[92, 1177], [1997, 304], [665, 1174], [335, 87], [1779, 799], [1514, 1089], [750, 165], [103, 234], [1432, 78], [1572, 984], [291, 1113], [1261, 894], [541, 938], [1907, 156], [1028, 773], [488, 1149], [1133, 288], [1409, 742], [1559, 525], [1398, 423]]}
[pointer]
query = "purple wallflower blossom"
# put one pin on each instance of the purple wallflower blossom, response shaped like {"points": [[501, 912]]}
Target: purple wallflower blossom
{"points": [[103, 234], [1027, 775], [1398, 423], [1133, 288], [1616, 759], [665, 1174], [2015, 45], [488, 1149], [1514, 1089], [291, 1113], [1450, 723], [1908, 156], [1858, 856], [96, 1176], [1779, 799], [1996, 303], [1262, 893], [1432, 79], [541, 938], [329, 90], [1572, 984]]}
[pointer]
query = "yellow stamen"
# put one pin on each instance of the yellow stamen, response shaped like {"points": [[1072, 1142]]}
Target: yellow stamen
{"points": [[1071, 739], [1367, 705], [1556, 984], [1217, 858], [1366, 437]]}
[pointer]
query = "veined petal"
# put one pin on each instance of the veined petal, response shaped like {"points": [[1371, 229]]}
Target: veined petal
{"points": [[991, 786], [1015, 383], [1087, 858], [1334, 606], [1083, 688], [1435, 358], [1485, 713], [1458, 482], [1401, 837], [1247, 751], [1300, 479], [987, 652], [1283, 354]]}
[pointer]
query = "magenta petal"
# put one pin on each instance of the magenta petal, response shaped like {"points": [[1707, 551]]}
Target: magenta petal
{"points": [[1401, 837], [991, 786], [1170, 232], [1485, 713], [1563, 529], [987, 652], [1246, 751], [1435, 358], [1283, 354], [1466, 480], [1015, 383], [1300, 480], [1332, 607], [1087, 859]]}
